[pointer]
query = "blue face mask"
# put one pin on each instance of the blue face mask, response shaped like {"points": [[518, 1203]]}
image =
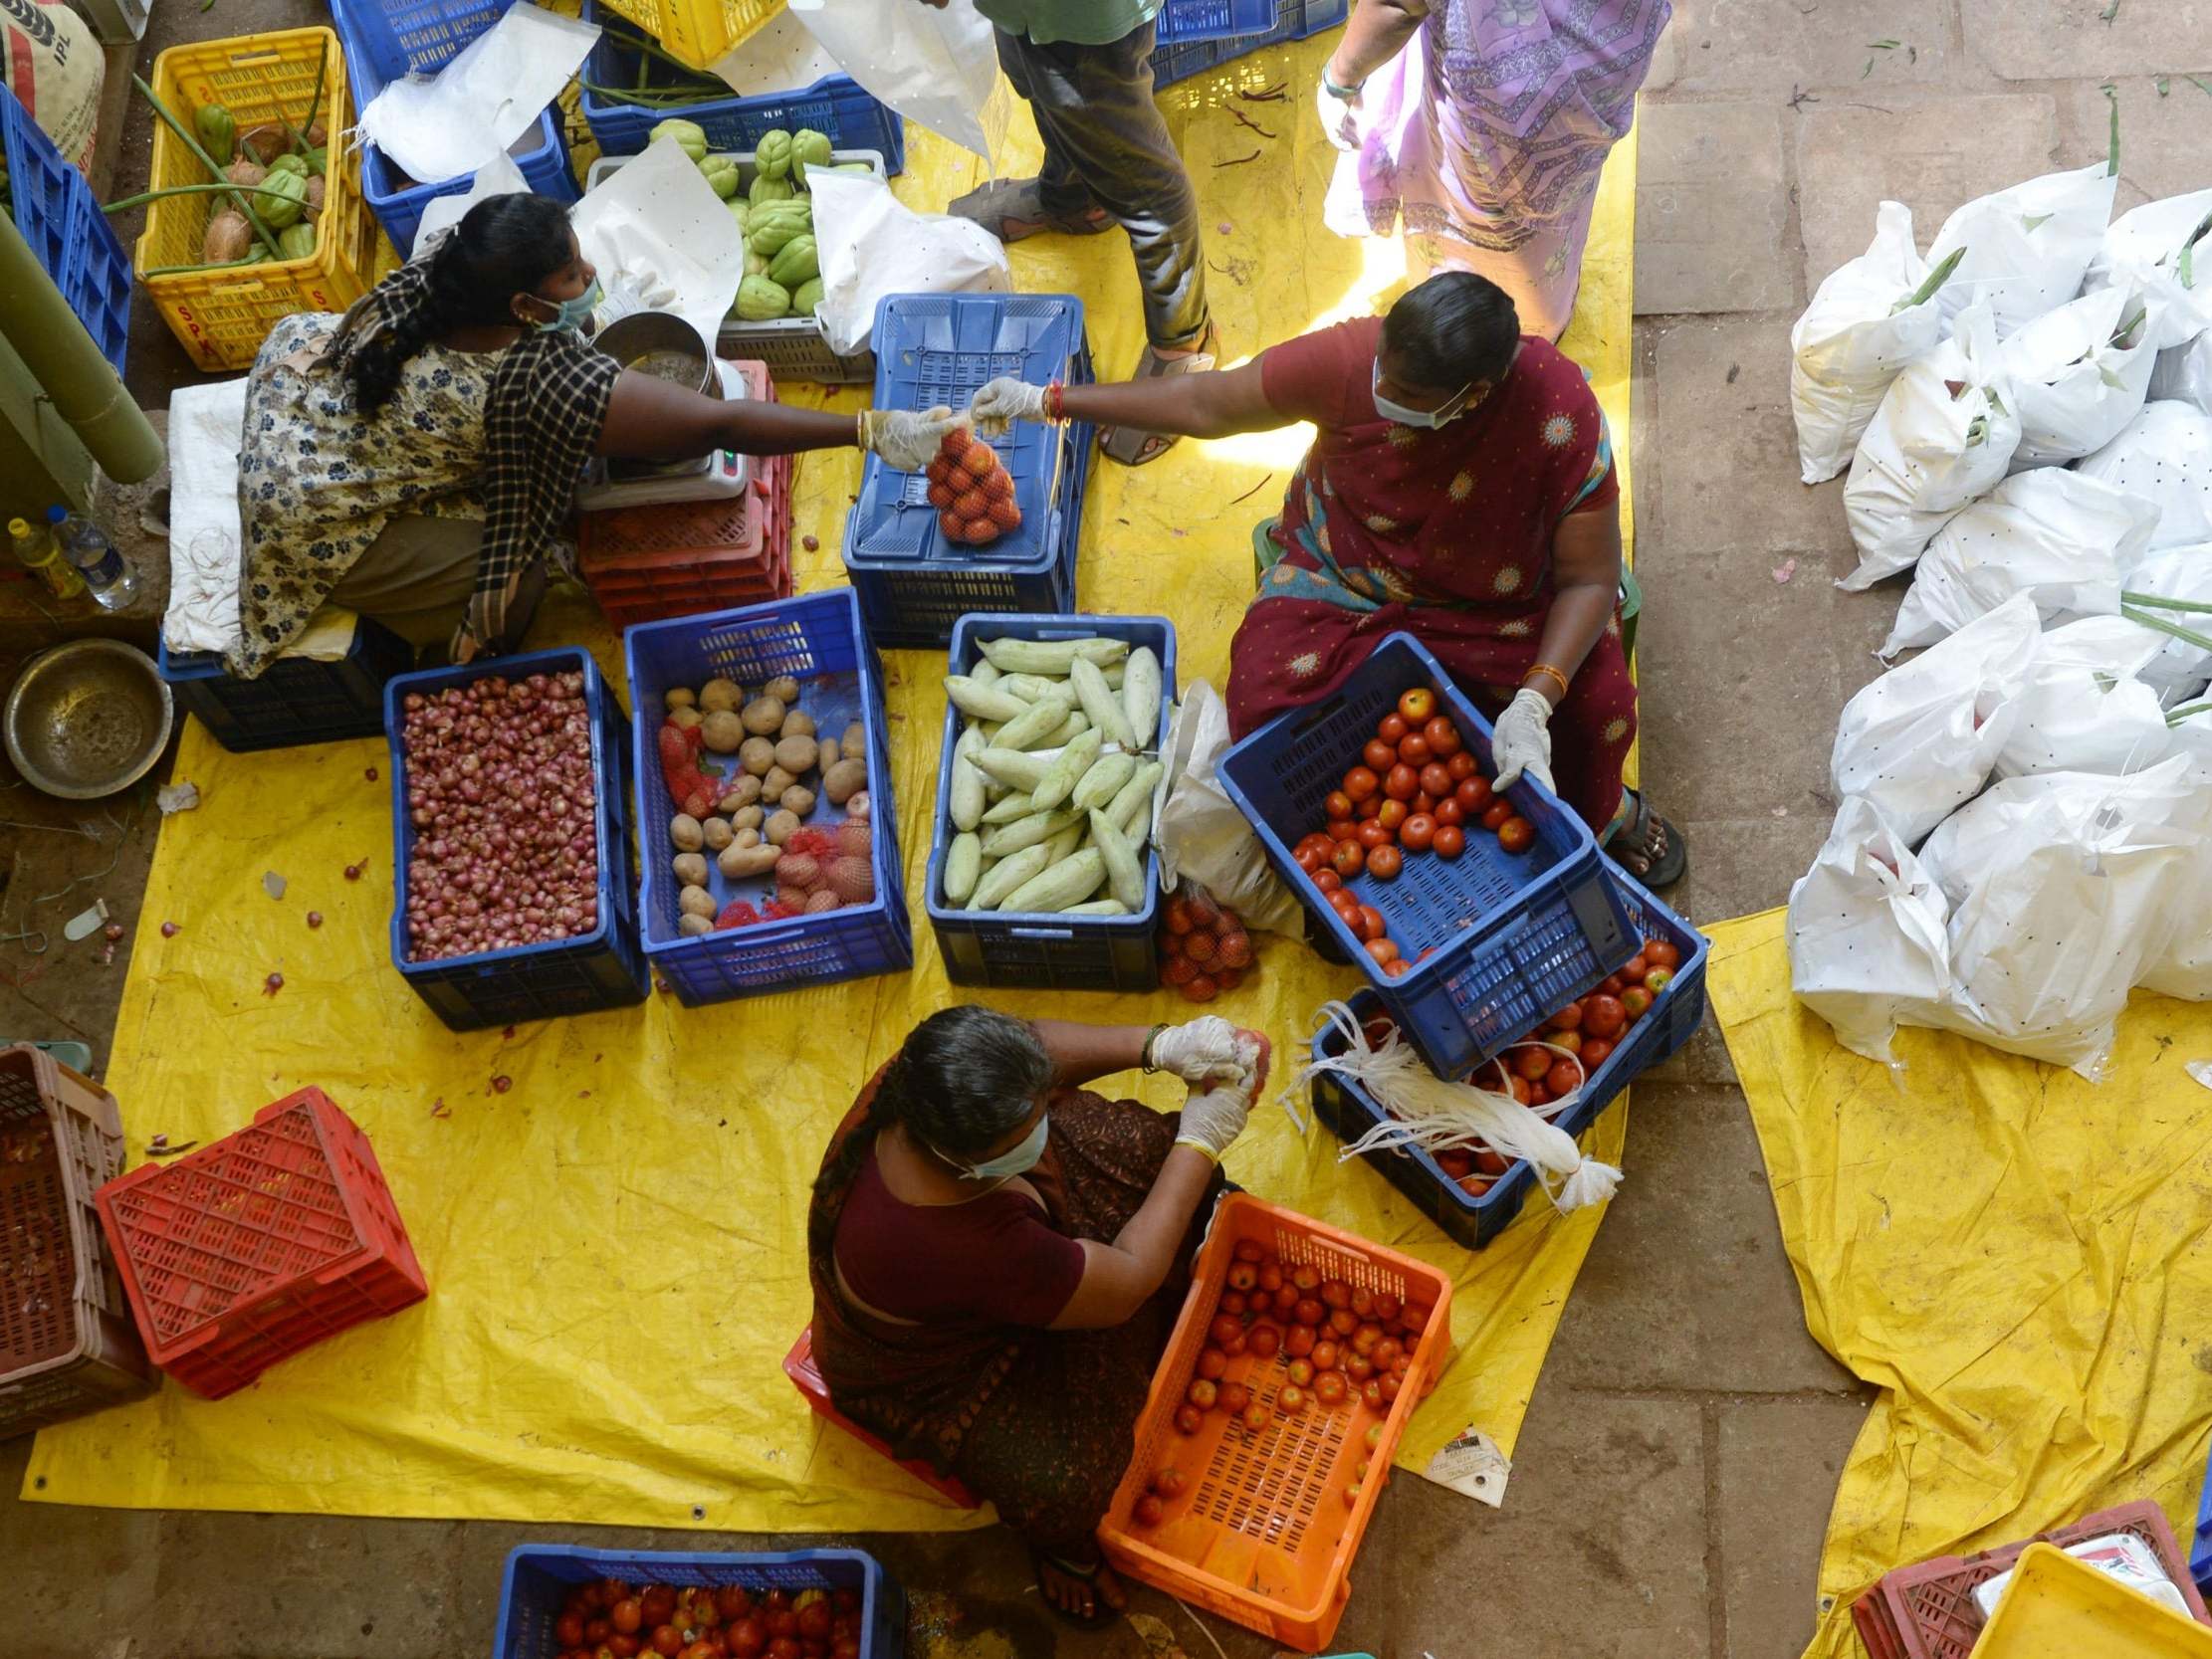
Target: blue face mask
{"points": [[573, 314], [1454, 406], [1019, 1162]]}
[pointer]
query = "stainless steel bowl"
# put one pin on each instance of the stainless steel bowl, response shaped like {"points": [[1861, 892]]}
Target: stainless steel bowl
{"points": [[87, 718], [664, 345]]}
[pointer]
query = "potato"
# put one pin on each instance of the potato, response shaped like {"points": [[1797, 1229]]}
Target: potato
{"points": [[797, 724], [746, 837], [841, 781], [746, 818], [696, 901], [776, 782], [757, 756], [717, 833], [690, 925], [723, 732], [826, 754], [782, 826], [857, 806], [783, 688], [676, 697], [854, 744], [722, 694], [686, 717], [739, 795], [797, 756], [739, 862], [686, 833], [797, 798], [764, 715], [689, 868]]}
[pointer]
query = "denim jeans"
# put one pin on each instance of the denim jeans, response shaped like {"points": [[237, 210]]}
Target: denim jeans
{"points": [[1106, 145]]}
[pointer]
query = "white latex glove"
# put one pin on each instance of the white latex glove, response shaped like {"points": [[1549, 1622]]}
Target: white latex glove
{"points": [[1340, 117], [1200, 1051], [1213, 1118], [1521, 740], [906, 439], [1005, 401]]}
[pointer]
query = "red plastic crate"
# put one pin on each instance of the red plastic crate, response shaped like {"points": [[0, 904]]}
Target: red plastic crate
{"points": [[1928, 1611], [259, 1246], [806, 1377]]}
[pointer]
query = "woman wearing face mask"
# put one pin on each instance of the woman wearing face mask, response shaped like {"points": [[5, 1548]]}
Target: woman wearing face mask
{"points": [[1461, 489], [416, 459], [997, 1257]]}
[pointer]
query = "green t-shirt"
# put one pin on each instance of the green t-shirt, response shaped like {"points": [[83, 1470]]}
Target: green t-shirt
{"points": [[1085, 22]]}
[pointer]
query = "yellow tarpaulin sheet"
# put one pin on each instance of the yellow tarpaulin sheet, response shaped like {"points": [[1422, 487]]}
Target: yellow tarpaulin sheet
{"points": [[2015, 1257], [615, 1245]]}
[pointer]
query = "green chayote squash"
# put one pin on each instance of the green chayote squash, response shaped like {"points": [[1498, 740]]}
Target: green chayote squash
{"points": [[760, 299], [773, 155], [795, 262]]}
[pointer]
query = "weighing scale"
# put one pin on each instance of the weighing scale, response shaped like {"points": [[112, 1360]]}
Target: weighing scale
{"points": [[717, 476]]}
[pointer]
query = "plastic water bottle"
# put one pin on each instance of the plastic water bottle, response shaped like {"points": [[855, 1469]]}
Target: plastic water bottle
{"points": [[36, 550], [114, 583]]}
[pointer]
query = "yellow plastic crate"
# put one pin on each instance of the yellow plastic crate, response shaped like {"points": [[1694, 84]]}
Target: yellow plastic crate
{"points": [[222, 316], [2057, 1608], [696, 31]]}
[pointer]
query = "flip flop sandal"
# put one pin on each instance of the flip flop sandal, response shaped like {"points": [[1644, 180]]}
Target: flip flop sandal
{"points": [[1635, 836], [1101, 1613], [1133, 448], [1022, 200]]}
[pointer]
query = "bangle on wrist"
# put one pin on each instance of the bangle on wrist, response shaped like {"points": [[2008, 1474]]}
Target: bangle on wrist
{"points": [[1055, 405], [1343, 94], [1546, 669], [1150, 1037]]}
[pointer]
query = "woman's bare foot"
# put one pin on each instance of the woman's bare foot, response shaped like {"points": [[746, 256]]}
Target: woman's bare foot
{"points": [[1087, 1594]]}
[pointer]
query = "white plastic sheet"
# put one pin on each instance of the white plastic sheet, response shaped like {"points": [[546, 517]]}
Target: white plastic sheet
{"points": [[2026, 248], [869, 244], [654, 226], [1205, 835], [2062, 540], [2083, 709], [2184, 372], [1859, 331], [2185, 573], [2079, 374], [1945, 432], [2156, 247], [489, 93], [1867, 947], [442, 214], [2163, 455], [1923, 738], [937, 65]]}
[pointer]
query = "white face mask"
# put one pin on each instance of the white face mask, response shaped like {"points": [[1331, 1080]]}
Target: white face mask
{"points": [[1006, 1166], [1453, 407]]}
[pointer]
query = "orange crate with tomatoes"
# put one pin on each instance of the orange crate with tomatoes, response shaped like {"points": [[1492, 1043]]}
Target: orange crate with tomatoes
{"points": [[1584, 1053], [1473, 915], [1298, 1358]]}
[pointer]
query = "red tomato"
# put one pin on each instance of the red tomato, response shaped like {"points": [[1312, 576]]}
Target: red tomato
{"points": [[596, 1631], [1596, 1051], [1202, 1393], [1460, 763], [1243, 1273], [1338, 806], [1148, 1511], [1473, 795], [668, 1641], [1659, 980], [1311, 857], [814, 1620], [1401, 783], [1389, 1386], [1370, 807], [1257, 1418], [1235, 1344], [1234, 1397], [1633, 969], [1298, 1339], [1383, 952], [1212, 1362], [1392, 728], [1451, 840], [1270, 1278], [1516, 835], [705, 1650], [1357, 1366], [1340, 829], [1414, 750], [1189, 1419], [1266, 1339], [1495, 815], [1372, 919], [1490, 1161], [1363, 1302], [1374, 836], [1423, 801], [1379, 756], [1571, 1041], [1531, 1062], [1636, 1002], [1336, 1293], [1306, 1278], [626, 1615], [1387, 1354], [1328, 880], [1603, 1017], [1517, 1087], [1610, 985], [1372, 1389], [1349, 859], [1392, 815], [1443, 735], [1326, 1354], [569, 1630], [1299, 1371], [1343, 1322], [1359, 784], [1418, 705], [1435, 781], [1396, 968], [1568, 1018], [1290, 1399], [1385, 862], [1659, 953], [1223, 1328], [1286, 1299], [781, 1647], [1330, 1387], [1309, 1310], [1418, 832], [1387, 1307], [1564, 1078], [731, 1602]]}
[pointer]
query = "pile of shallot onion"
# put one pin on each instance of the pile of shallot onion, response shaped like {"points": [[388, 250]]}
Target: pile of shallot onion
{"points": [[505, 812]]}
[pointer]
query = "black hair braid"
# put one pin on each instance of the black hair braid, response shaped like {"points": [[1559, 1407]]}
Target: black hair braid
{"points": [[375, 367]]}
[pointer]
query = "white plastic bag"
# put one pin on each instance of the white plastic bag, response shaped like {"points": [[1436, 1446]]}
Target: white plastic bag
{"points": [[2166, 456], [2083, 709], [2181, 665], [1867, 319], [492, 91], [2026, 248], [1868, 949], [1944, 433], [657, 233], [2079, 374], [2156, 247], [936, 65], [1205, 835], [868, 245], [2184, 372], [2063, 539], [1923, 738]]}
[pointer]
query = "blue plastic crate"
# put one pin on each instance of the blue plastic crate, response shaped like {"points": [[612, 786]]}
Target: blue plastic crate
{"points": [[941, 349], [817, 639], [2200, 1543], [59, 219], [1497, 940], [837, 106], [1176, 60], [604, 969], [1211, 19], [539, 1577], [296, 699], [1673, 1018], [1047, 951], [383, 43]]}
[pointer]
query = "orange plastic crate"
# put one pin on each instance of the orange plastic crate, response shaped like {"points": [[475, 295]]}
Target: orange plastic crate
{"points": [[1262, 1534]]}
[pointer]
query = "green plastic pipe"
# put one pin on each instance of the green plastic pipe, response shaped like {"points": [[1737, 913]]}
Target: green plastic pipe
{"points": [[67, 368]]}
